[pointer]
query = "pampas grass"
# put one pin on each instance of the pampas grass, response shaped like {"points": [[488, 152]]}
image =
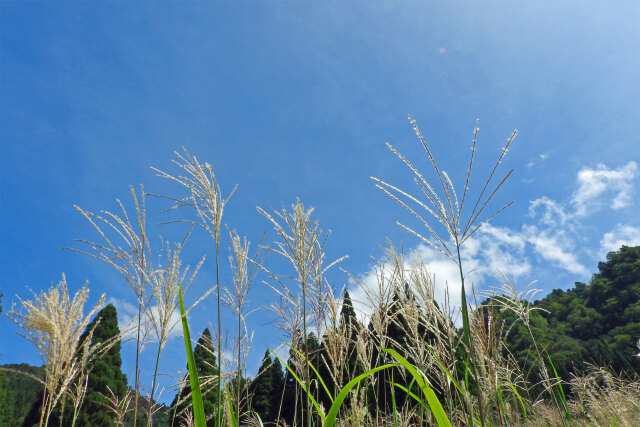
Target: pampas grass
{"points": [[205, 198], [54, 323], [466, 376], [301, 243], [126, 248]]}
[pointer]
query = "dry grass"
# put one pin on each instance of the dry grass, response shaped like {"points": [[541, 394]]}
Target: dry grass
{"points": [[205, 198], [54, 323], [603, 398], [454, 361], [119, 406], [301, 242]]}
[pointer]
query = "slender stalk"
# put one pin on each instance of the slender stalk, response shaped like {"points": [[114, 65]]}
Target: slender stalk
{"points": [[219, 415], [239, 364], [46, 418], [467, 339], [44, 404], [137, 369], [307, 379], [153, 388]]}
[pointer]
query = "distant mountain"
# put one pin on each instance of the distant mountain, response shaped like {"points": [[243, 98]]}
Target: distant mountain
{"points": [[19, 392], [597, 323]]}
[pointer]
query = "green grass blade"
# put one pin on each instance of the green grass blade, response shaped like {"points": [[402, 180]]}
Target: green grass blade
{"points": [[230, 403], [561, 391], [302, 384], [503, 411], [330, 420], [196, 396], [429, 394], [515, 391], [326, 389], [393, 402], [414, 396]]}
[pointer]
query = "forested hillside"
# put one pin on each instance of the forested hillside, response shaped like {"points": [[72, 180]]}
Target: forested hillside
{"points": [[596, 323]]}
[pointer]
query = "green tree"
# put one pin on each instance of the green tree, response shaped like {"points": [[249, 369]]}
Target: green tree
{"points": [[598, 322], [277, 381], [104, 371], [349, 327], [294, 397], [207, 368], [262, 392]]}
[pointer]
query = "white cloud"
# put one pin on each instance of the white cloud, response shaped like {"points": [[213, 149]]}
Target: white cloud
{"points": [[621, 235], [551, 232], [128, 318], [542, 157], [553, 213], [555, 248], [593, 183], [490, 251]]}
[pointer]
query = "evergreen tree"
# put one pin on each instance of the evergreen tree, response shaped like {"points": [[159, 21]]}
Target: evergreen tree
{"points": [[234, 385], [350, 328], [277, 385], [598, 322], [349, 322], [294, 396], [103, 371], [204, 355], [262, 392]]}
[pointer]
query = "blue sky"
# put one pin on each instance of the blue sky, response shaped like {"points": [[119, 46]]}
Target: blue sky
{"points": [[294, 100]]}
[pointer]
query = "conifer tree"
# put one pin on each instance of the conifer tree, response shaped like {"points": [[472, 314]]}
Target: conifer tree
{"points": [[350, 328], [349, 322], [204, 355], [277, 385], [398, 340], [103, 371], [262, 392], [294, 396]]}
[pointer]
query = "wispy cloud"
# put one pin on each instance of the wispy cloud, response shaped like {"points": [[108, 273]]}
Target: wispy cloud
{"points": [[128, 317], [555, 246], [490, 251], [548, 212], [550, 231], [539, 158], [594, 183], [621, 235]]}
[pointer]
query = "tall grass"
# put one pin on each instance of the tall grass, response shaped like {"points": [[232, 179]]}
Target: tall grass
{"points": [[453, 225], [205, 198], [54, 322], [301, 243], [433, 373]]}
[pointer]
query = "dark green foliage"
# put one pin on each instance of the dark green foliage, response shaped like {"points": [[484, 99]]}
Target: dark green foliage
{"points": [[266, 389], [19, 393], [263, 395], [238, 386], [349, 322], [276, 374], [350, 327], [597, 322], [206, 365], [294, 397], [103, 371], [397, 339]]}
